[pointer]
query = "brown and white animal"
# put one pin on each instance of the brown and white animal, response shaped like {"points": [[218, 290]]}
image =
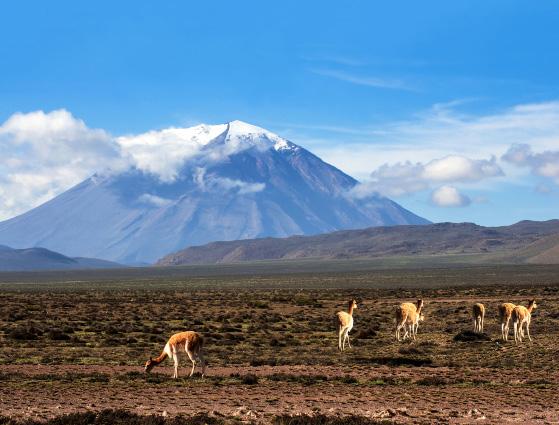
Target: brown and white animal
{"points": [[345, 324], [189, 342], [521, 316], [408, 314], [478, 313], [505, 313]]}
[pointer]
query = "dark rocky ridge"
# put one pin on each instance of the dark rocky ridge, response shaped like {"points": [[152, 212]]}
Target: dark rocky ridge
{"points": [[525, 241]]}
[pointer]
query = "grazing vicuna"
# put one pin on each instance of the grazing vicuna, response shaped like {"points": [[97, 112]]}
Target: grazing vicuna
{"points": [[521, 316], [408, 314], [188, 342], [345, 324], [505, 313], [478, 313]]}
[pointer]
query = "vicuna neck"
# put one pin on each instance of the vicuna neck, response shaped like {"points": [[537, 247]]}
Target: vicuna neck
{"points": [[419, 307], [350, 310], [161, 357]]}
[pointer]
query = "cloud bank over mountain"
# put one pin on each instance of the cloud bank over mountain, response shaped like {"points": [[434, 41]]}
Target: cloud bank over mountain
{"points": [[45, 153]]}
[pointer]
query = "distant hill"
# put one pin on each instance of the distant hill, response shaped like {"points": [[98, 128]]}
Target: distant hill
{"points": [[523, 242], [42, 259]]}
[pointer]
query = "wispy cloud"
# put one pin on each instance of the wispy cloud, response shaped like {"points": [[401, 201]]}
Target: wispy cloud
{"points": [[154, 200], [211, 182], [439, 131], [369, 81]]}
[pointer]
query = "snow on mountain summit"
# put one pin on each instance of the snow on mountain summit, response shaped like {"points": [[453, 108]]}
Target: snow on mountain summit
{"points": [[163, 152], [246, 131]]}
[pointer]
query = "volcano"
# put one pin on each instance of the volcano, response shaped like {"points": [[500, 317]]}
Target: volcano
{"points": [[235, 181]]}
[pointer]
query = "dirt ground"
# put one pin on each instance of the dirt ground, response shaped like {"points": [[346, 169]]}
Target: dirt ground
{"points": [[271, 352], [27, 395]]}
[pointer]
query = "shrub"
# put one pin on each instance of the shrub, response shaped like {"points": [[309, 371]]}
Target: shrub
{"points": [[29, 334], [57, 335], [327, 420], [120, 417], [249, 379]]}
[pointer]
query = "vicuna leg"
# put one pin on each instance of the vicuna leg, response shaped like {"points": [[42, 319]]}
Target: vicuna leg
{"points": [[517, 334], [202, 362], [344, 337], [407, 332], [347, 336], [528, 329], [482, 319], [192, 359], [176, 361], [340, 331]]}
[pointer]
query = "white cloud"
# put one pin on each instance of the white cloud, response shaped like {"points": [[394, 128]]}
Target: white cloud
{"points": [[404, 178], [163, 152], [545, 164], [46, 153], [453, 168], [154, 200], [242, 186], [212, 182], [449, 196]]}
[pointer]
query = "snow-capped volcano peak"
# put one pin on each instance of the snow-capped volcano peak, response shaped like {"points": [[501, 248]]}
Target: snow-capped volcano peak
{"points": [[237, 127], [257, 135]]}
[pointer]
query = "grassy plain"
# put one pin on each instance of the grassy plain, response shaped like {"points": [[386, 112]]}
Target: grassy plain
{"points": [[74, 342]]}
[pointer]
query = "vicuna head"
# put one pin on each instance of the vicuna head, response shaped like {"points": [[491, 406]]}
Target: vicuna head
{"points": [[352, 304], [419, 303], [532, 304], [150, 364]]}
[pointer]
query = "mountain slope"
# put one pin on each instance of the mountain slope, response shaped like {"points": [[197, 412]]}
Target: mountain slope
{"points": [[241, 182], [543, 251], [434, 239], [42, 259]]}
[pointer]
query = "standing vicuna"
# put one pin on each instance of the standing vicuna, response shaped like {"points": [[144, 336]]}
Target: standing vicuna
{"points": [[408, 314], [478, 313], [505, 313], [188, 342], [345, 324], [520, 316]]}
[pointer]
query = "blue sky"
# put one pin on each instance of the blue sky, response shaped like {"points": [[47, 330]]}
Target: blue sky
{"points": [[360, 83]]}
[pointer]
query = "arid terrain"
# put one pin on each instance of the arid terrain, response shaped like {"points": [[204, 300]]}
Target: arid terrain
{"points": [[75, 345]]}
